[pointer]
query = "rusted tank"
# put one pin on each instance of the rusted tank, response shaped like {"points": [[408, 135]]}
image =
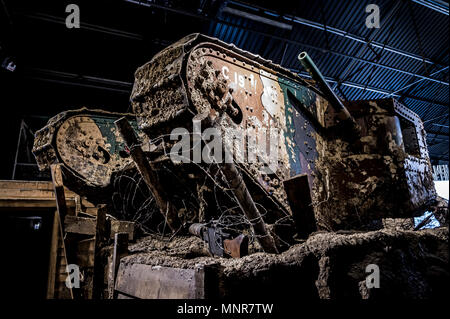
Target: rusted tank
{"points": [[326, 174], [384, 172], [88, 145]]}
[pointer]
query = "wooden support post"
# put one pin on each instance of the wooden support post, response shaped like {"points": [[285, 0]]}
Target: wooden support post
{"points": [[149, 174], [58, 187], [120, 251], [57, 275], [101, 237], [53, 258], [63, 291]]}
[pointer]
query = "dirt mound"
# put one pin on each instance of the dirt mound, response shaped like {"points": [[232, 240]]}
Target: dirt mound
{"points": [[412, 264]]}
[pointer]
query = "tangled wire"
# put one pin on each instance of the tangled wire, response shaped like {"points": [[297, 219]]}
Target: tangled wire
{"points": [[133, 201]]}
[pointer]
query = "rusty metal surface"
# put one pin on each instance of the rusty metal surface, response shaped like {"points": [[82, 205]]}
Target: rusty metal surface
{"points": [[218, 78], [87, 144], [351, 185], [378, 178]]}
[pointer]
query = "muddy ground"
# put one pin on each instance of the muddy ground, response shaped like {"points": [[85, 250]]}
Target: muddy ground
{"points": [[413, 264]]}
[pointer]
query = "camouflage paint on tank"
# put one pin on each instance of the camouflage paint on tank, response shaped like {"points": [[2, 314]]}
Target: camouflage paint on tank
{"points": [[109, 132], [215, 80], [298, 128], [88, 145]]}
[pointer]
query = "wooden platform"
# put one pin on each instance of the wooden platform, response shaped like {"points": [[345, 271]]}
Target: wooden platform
{"points": [[37, 198], [73, 238], [31, 194]]}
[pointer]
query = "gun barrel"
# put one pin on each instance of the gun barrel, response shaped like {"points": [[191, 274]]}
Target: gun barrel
{"points": [[196, 229], [336, 103]]}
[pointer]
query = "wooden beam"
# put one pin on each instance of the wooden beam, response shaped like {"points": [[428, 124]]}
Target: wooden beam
{"points": [[58, 187], [31, 185], [85, 251], [156, 282], [61, 289], [31, 204], [80, 225], [87, 226], [120, 250], [53, 259], [31, 194], [101, 239], [121, 226]]}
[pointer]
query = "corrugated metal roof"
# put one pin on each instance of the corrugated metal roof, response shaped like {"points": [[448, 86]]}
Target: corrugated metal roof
{"points": [[403, 23]]}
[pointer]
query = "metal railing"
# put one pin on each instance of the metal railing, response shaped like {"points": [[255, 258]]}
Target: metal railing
{"points": [[440, 172]]}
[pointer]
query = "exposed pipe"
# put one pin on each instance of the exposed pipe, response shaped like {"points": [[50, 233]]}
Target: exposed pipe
{"points": [[430, 5], [257, 18], [86, 26], [435, 124], [415, 82]]}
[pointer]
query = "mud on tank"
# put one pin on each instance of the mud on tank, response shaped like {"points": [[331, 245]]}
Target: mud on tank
{"points": [[339, 165]]}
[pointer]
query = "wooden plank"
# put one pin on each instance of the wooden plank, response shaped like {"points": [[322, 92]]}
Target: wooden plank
{"points": [[58, 187], [120, 226], [80, 225], [101, 239], [37, 195], [122, 296], [120, 250], [85, 252], [31, 194], [53, 259], [32, 203], [156, 282], [88, 206], [43, 185], [15, 193], [61, 290], [34, 185]]}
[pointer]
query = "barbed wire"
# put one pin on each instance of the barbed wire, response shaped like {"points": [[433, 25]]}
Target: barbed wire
{"points": [[133, 201]]}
